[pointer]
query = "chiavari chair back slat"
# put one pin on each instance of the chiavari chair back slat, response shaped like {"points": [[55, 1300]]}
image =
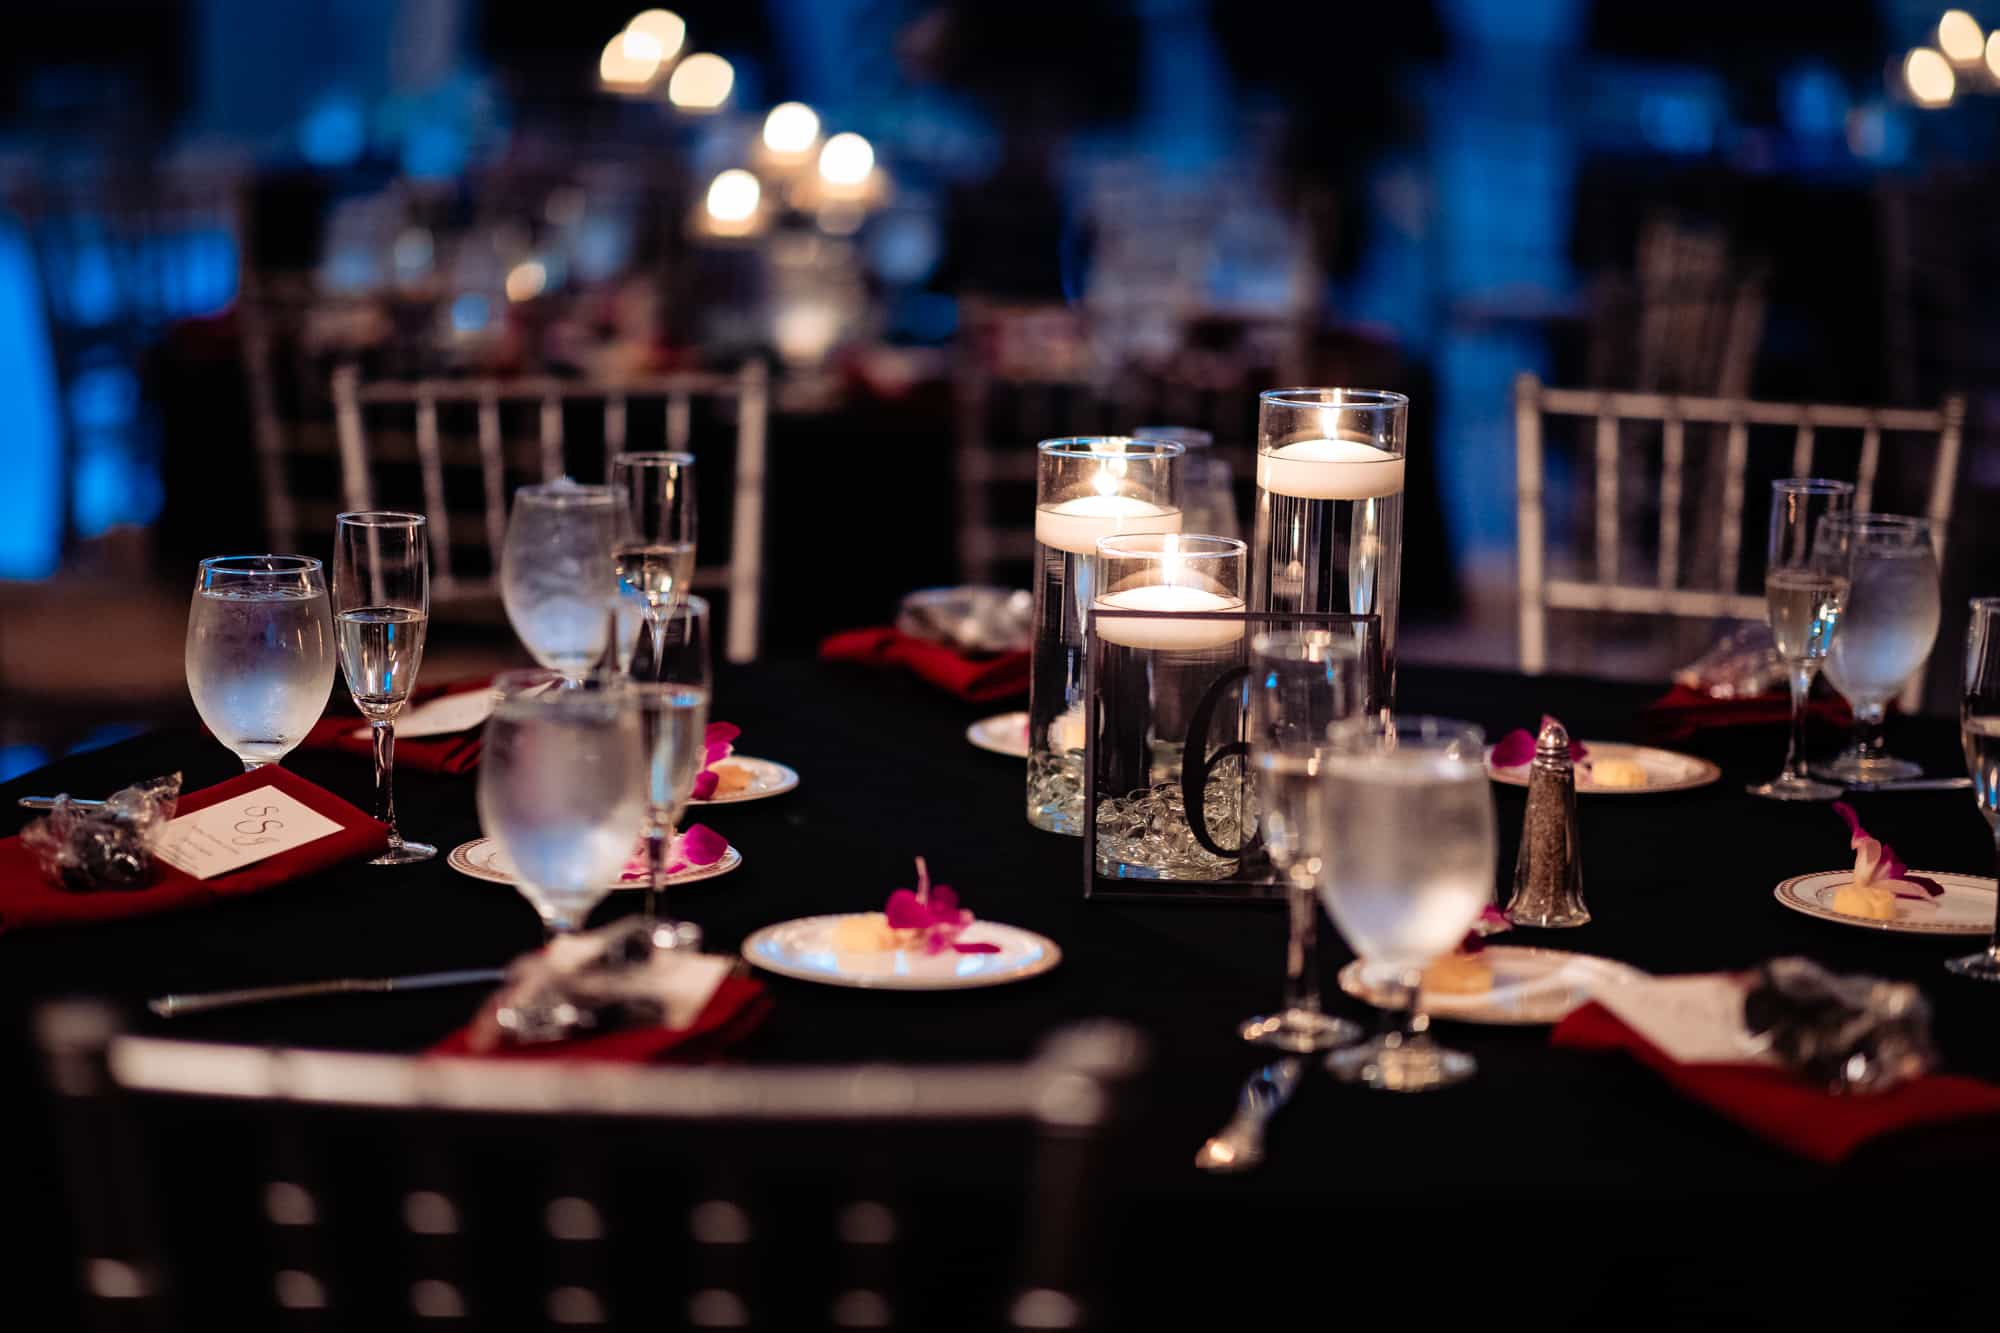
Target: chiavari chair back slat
{"points": [[367, 450], [1678, 589], [337, 1190]]}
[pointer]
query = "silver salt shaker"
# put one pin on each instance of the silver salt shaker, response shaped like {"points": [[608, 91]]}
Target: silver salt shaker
{"points": [[1548, 876]]}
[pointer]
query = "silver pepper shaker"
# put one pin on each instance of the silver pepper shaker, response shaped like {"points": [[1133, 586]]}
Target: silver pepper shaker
{"points": [[1548, 876]]}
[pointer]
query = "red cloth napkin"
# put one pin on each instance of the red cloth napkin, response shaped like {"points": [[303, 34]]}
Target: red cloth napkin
{"points": [[738, 1006], [457, 752], [27, 898], [1682, 711], [975, 679], [1776, 1105]]}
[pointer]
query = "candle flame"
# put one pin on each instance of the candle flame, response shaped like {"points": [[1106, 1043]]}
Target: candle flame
{"points": [[1170, 567], [1105, 483]]}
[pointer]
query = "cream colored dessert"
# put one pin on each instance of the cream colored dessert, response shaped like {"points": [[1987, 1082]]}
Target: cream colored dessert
{"points": [[1617, 773], [866, 932], [731, 778], [1459, 974], [1871, 902]]}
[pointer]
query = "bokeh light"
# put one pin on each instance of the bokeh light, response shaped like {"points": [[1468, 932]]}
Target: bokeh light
{"points": [[791, 128], [1959, 37], [629, 65], [1929, 78], [526, 280], [733, 196], [701, 82], [846, 160], [667, 29]]}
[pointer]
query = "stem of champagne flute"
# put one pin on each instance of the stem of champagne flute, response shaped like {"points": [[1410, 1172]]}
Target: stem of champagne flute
{"points": [[384, 735], [1411, 1030], [1801, 679], [1993, 944], [1301, 951], [656, 864]]}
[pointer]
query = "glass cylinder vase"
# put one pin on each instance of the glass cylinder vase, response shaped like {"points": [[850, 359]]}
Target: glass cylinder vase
{"points": [[1329, 534], [1168, 616], [1086, 488]]}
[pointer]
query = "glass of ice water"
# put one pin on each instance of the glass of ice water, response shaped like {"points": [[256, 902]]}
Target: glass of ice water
{"points": [[1405, 813], [562, 787], [1887, 630], [1302, 682], [1805, 590], [557, 576], [382, 606], [655, 547], [260, 652], [1979, 727]]}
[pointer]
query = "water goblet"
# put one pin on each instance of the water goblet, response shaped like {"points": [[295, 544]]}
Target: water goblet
{"points": [[1301, 683], [1405, 812], [1805, 588], [558, 579], [259, 652], [381, 597], [1886, 633]]}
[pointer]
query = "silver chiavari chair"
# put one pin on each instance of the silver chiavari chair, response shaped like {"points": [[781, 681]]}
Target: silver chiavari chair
{"points": [[746, 393], [550, 1194], [1667, 417]]}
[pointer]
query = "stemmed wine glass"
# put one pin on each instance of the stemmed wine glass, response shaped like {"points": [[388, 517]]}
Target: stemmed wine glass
{"points": [[655, 545], [557, 579], [1979, 728], [562, 786], [1805, 587], [381, 598], [1887, 629], [259, 652], [673, 718], [1301, 683], [1405, 812]]}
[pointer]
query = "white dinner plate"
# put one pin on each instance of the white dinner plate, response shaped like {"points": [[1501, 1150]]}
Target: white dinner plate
{"points": [[1515, 997], [1965, 909], [484, 858], [1666, 770], [767, 778], [804, 949], [1004, 733]]}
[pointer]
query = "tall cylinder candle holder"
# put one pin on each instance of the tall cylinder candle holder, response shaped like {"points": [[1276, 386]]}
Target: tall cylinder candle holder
{"points": [[1086, 488], [1167, 683], [1329, 533]]}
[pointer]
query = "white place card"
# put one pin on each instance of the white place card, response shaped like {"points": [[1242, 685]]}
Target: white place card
{"points": [[442, 716], [240, 831], [1696, 1020]]}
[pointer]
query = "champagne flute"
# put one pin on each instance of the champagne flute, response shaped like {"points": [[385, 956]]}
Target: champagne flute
{"points": [[259, 652], [1979, 728], [1887, 630], [1805, 587], [1405, 812], [561, 786], [557, 579], [655, 548], [673, 716], [381, 598], [1301, 684]]}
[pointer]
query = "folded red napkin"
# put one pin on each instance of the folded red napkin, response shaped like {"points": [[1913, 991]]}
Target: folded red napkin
{"points": [[732, 1013], [27, 898], [979, 679], [457, 752], [1682, 711], [1778, 1106]]}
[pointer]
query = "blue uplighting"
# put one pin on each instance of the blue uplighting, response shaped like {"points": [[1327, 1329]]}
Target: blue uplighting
{"points": [[334, 131], [30, 424], [470, 313]]}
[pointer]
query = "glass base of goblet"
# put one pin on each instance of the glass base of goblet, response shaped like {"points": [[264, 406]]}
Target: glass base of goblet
{"points": [[676, 935], [1982, 966], [1853, 766], [1789, 787], [1299, 1030], [1398, 1063], [405, 852]]}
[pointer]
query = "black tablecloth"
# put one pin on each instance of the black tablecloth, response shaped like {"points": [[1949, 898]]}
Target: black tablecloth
{"points": [[1547, 1152]]}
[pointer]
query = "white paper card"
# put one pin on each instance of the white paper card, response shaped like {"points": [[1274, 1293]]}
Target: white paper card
{"points": [[1695, 1019], [240, 831], [442, 716], [682, 980]]}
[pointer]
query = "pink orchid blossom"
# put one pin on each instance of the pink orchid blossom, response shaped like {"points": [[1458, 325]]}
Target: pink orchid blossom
{"points": [[1875, 861], [698, 845], [716, 746], [1517, 747], [935, 912], [1491, 922]]}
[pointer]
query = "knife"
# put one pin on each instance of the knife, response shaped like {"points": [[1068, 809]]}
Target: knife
{"points": [[175, 1006], [1239, 1146]]}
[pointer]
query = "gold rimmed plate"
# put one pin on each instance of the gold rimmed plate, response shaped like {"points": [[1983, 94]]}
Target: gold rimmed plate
{"points": [[485, 858], [1665, 770], [1965, 907]]}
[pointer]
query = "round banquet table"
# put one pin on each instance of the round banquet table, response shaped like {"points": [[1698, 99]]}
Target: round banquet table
{"points": [[1551, 1162]]}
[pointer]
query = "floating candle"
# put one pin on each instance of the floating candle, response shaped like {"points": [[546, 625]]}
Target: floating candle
{"points": [[1175, 635], [1075, 525], [1330, 470]]}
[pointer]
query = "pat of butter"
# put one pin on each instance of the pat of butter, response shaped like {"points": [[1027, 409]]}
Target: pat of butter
{"points": [[1617, 773], [1871, 902]]}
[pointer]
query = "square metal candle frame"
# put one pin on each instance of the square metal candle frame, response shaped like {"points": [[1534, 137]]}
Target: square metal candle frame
{"points": [[1255, 880]]}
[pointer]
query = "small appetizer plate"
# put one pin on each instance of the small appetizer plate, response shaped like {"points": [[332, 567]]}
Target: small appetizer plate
{"points": [[804, 949], [1966, 907], [484, 858], [1666, 770], [1003, 733], [767, 778], [1530, 986]]}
